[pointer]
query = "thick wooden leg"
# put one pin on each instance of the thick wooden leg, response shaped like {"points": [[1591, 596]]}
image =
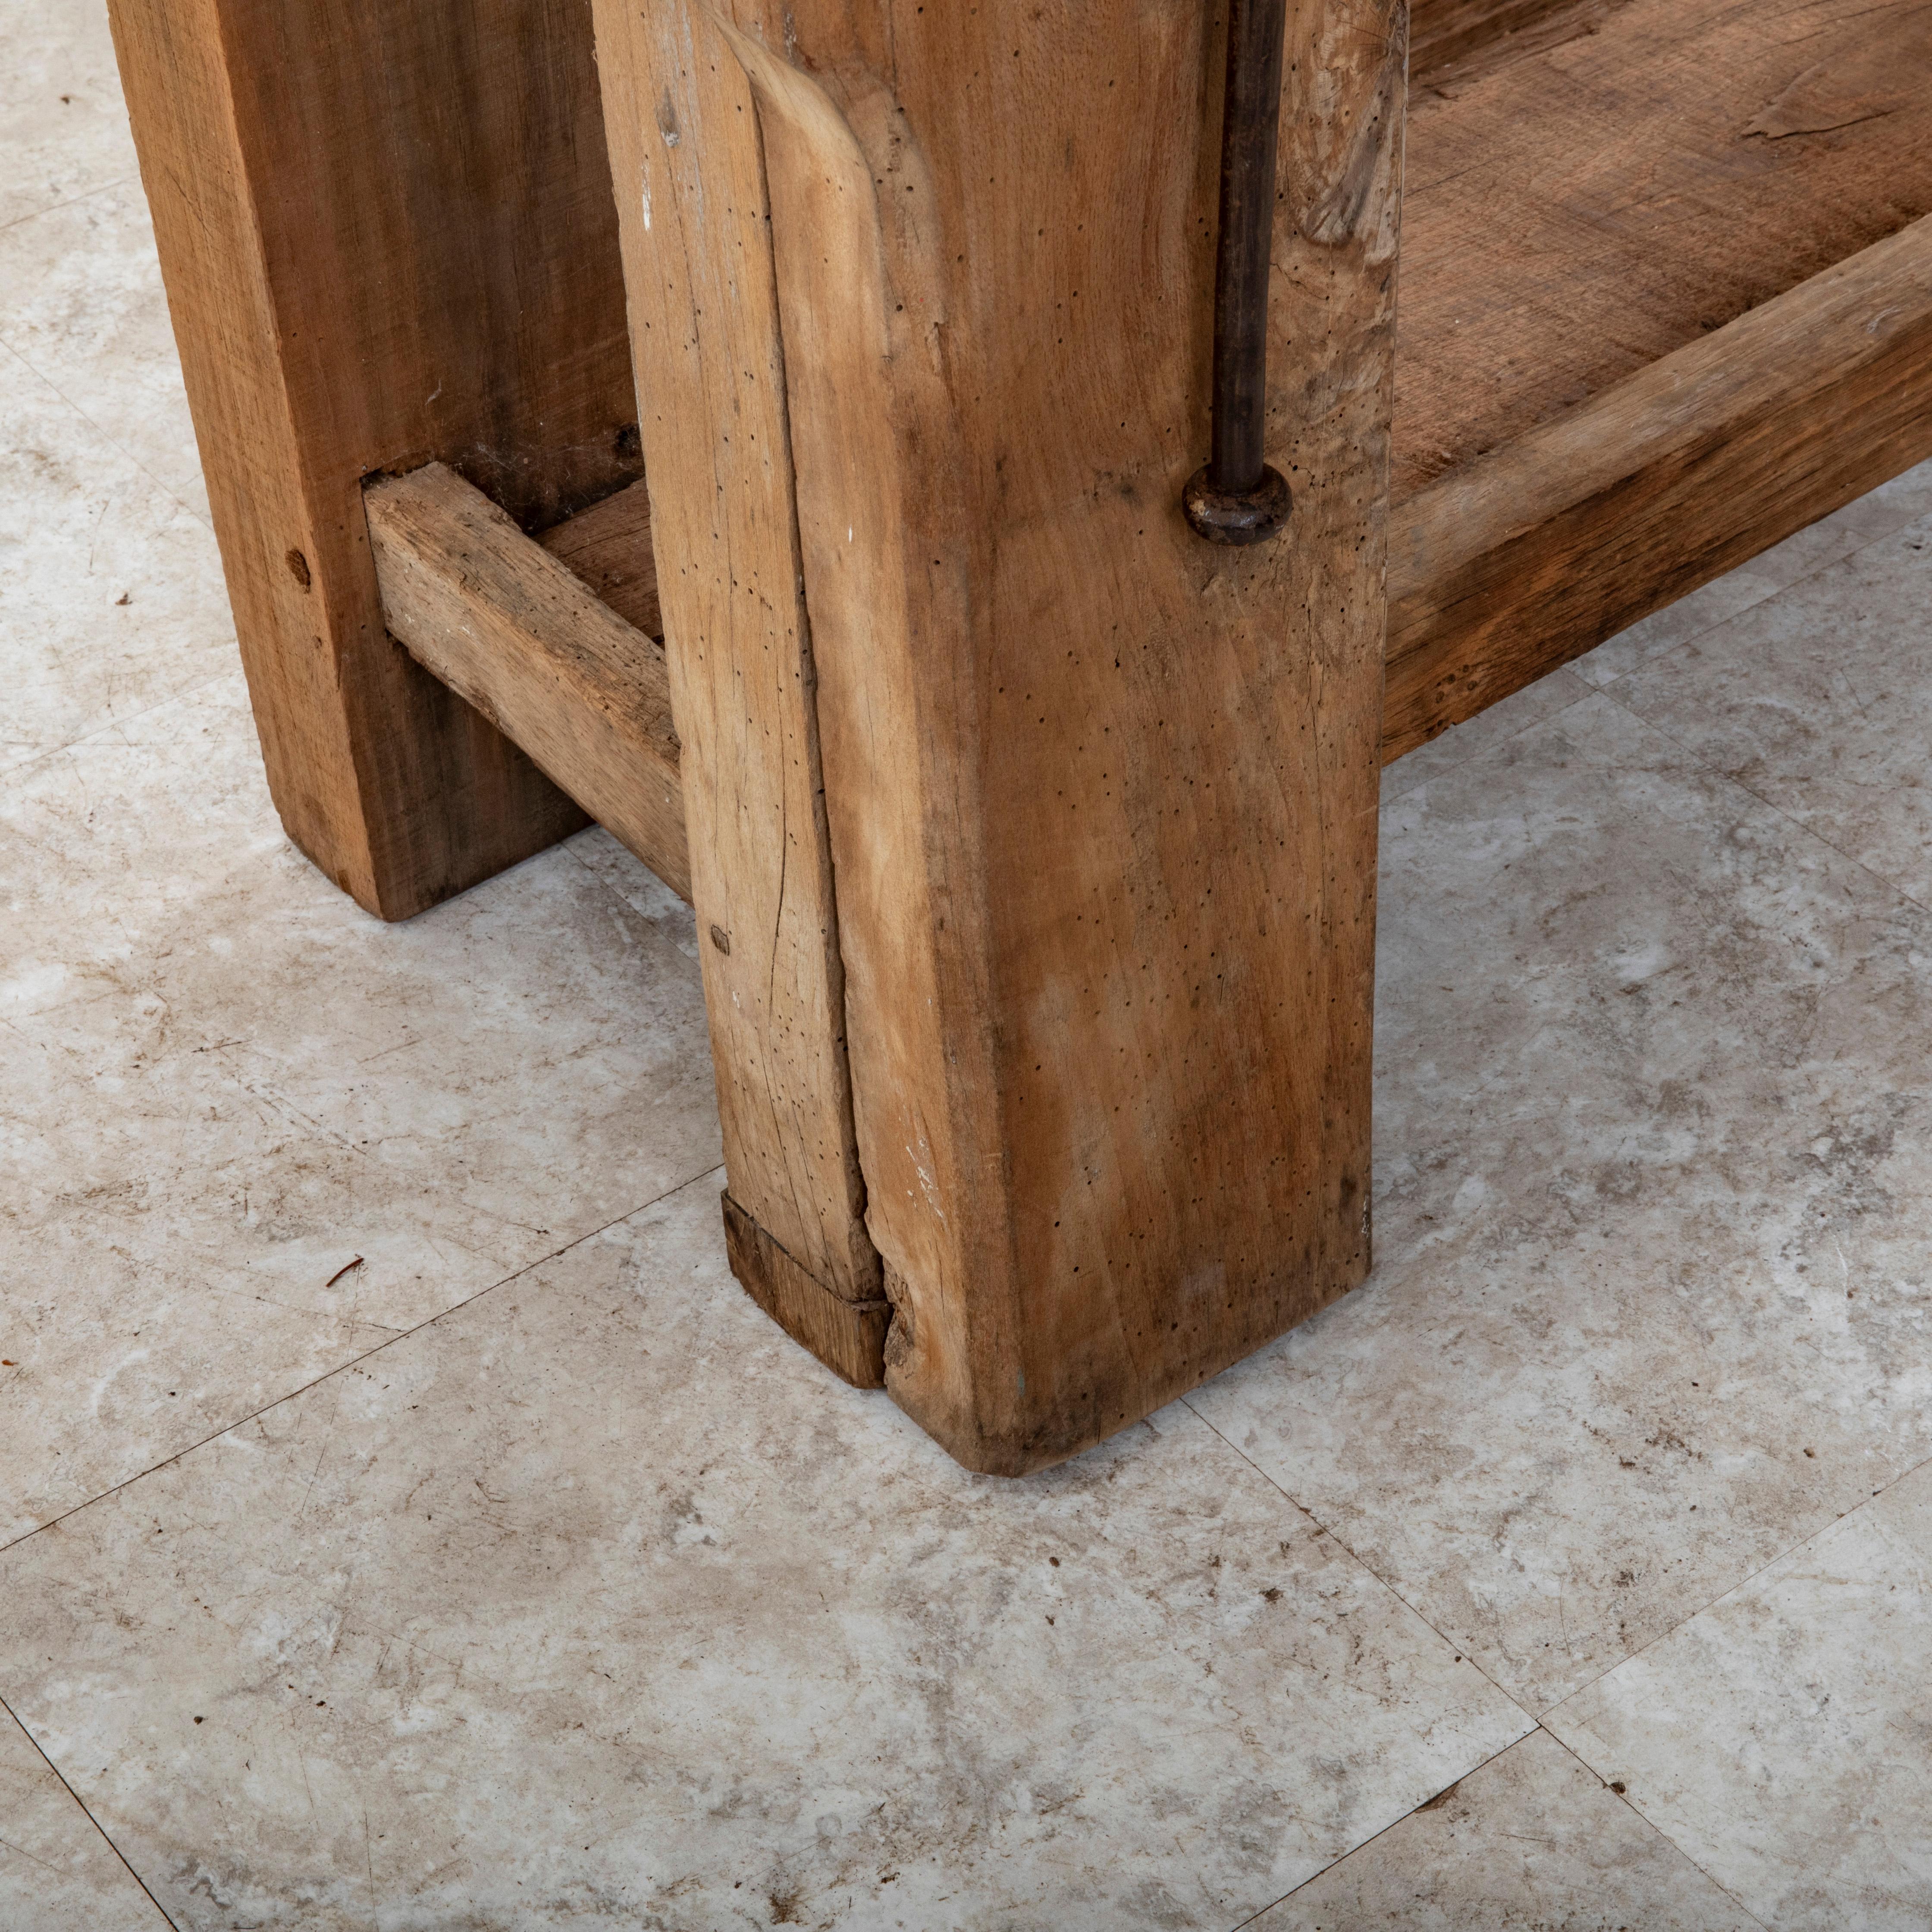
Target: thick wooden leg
{"points": [[387, 230], [387, 234], [712, 376], [1101, 797]]}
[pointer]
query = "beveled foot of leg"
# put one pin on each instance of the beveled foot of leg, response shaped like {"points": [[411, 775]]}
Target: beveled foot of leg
{"points": [[849, 1337]]}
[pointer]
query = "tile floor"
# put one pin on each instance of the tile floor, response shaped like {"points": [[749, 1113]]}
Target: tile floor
{"points": [[1572, 1573]]}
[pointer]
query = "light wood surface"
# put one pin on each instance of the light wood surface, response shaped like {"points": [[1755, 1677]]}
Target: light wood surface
{"points": [[1658, 313], [1101, 798], [382, 244], [515, 633], [609, 547], [1574, 215], [1539, 552], [703, 306]]}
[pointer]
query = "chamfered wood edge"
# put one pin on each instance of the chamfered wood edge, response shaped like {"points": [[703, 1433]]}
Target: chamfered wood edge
{"points": [[517, 634], [1502, 572], [849, 1337], [710, 374]]}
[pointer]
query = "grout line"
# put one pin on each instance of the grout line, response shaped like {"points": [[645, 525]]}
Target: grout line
{"points": [[166, 489], [9, 773], [1890, 886], [1536, 1717], [85, 1813], [1777, 811], [1731, 1589], [1623, 1798], [1394, 1823], [356, 1361], [1461, 1650], [1478, 752], [70, 201]]}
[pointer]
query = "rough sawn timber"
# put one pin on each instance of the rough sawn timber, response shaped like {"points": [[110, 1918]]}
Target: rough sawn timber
{"points": [[1571, 217], [515, 632], [1536, 553], [1101, 799], [703, 315], [609, 547], [382, 244]]}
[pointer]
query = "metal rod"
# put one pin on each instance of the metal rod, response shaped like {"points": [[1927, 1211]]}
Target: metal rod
{"points": [[1236, 498]]}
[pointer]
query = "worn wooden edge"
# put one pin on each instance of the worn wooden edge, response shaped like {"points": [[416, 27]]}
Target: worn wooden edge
{"points": [[517, 634], [711, 378], [1505, 571], [1709, 457], [849, 1337]]}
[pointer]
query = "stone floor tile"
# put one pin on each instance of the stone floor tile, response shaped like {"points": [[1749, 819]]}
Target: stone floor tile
{"points": [[223, 1083], [111, 597], [63, 128], [1652, 1299], [533, 1050], [81, 303], [598, 1600], [1880, 513], [172, 1250], [1784, 1737], [640, 889], [1664, 630], [57, 1872], [1819, 703], [1514, 714], [1902, 501], [1532, 1841]]}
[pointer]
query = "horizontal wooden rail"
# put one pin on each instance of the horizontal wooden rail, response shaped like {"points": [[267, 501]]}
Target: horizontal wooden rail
{"points": [[1539, 551], [1498, 574], [516, 632]]}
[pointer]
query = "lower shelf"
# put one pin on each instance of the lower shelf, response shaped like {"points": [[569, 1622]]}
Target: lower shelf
{"points": [[1666, 297], [1538, 553]]}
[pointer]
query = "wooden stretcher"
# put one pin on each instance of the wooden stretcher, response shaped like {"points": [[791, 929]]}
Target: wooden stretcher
{"points": [[763, 429]]}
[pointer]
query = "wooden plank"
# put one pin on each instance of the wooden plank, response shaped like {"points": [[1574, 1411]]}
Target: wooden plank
{"points": [[1102, 797], [387, 235], [609, 547], [1573, 217], [515, 633], [1538, 553], [703, 306]]}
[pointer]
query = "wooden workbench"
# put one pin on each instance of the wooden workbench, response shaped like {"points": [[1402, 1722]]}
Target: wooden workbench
{"points": [[764, 429]]}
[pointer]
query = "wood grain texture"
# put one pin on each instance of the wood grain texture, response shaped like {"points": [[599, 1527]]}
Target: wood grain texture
{"points": [[703, 305], [609, 547], [387, 235], [1102, 799], [514, 632], [1452, 43], [1538, 553], [1573, 217], [849, 1337]]}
